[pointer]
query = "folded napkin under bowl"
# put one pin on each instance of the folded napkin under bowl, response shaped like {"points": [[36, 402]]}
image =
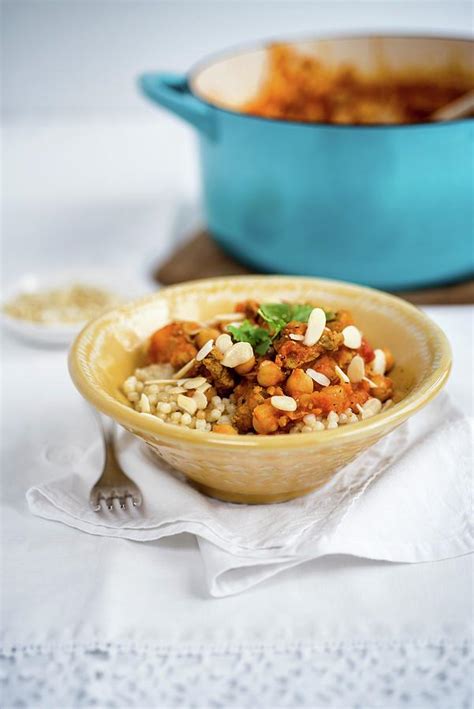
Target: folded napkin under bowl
{"points": [[406, 499]]}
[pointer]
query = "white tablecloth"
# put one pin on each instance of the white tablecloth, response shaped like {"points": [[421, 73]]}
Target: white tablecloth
{"points": [[339, 631]]}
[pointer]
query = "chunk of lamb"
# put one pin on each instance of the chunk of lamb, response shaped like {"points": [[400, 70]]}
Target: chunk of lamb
{"points": [[173, 344], [292, 354], [247, 397], [222, 378]]}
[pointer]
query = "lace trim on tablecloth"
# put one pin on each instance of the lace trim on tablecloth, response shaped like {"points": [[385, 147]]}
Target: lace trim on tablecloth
{"points": [[435, 674]]}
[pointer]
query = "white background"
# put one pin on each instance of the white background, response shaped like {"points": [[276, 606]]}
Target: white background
{"points": [[92, 174]]}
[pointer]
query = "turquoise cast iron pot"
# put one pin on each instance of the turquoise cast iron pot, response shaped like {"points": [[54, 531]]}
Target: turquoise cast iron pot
{"points": [[385, 205]]}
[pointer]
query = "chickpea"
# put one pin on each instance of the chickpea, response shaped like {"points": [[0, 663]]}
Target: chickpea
{"points": [[389, 359], [245, 367], [207, 333], [384, 388], [299, 383], [269, 373], [265, 418], [224, 428]]}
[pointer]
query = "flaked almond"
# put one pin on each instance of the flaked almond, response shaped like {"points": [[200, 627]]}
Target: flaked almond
{"points": [[318, 377], [316, 325], [187, 404], [370, 382], [370, 408], [177, 390], [352, 337], [185, 369], [149, 382], [225, 317], [204, 351], [194, 383], [379, 363], [145, 404], [296, 337], [356, 369], [200, 399], [284, 403], [342, 375], [224, 343], [239, 353], [204, 387]]}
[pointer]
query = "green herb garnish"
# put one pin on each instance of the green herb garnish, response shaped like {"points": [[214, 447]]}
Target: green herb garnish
{"points": [[330, 315], [258, 337], [301, 312], [278, 315]]}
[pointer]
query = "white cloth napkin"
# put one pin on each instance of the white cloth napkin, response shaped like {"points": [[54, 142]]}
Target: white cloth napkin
{"points": [[418, 510]]}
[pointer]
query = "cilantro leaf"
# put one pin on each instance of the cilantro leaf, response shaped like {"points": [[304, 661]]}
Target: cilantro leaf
{"points": [[278, 315], [257, 336], [301, 312], [330, 315]]}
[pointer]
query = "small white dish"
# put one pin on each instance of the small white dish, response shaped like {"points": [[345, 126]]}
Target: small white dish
{"points": [[125, 285]]}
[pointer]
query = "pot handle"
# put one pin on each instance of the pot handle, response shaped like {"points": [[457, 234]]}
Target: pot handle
{"points": [[172, 92]]}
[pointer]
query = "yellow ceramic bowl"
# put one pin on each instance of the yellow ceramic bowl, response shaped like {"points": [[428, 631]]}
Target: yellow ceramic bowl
{"points": [[258, 469]]}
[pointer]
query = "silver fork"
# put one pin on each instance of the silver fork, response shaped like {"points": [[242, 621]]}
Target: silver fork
{"points": [[113, 484]]}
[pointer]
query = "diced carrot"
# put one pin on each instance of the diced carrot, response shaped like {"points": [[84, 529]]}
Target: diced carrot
{"points": [[366, 351]]}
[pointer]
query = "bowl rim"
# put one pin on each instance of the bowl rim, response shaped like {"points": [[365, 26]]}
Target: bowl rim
{"points": [[79, 368], [263, 43]]}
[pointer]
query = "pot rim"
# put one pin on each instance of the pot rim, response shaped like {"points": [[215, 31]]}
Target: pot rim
{"points": [[246, 47]]}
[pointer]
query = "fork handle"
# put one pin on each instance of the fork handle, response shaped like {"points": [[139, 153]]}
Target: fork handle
{"points": [[112, 472]]}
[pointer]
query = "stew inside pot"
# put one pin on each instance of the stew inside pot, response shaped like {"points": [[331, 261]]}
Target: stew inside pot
{"points": [[299, 87]]}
